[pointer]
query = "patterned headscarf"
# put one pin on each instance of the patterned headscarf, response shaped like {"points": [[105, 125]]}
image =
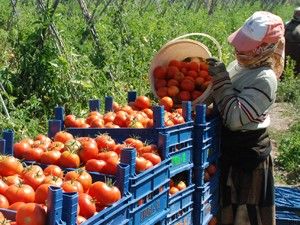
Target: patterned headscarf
{"points": [[271, 55]]}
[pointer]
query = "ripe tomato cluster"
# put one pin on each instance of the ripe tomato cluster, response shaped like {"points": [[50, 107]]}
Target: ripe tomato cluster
{"points": [[182, 80], [25, 190], [210, 171], [100, 154], [137, 114]]}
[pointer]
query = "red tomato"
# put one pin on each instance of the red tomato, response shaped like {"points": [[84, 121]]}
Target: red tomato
{"points": [[34, 154], [167, 102], [34, 179], [69, 160], [3, 187], [134, 143], [72, 146], [89, 150], [56, 146], [87, 205], [54, 171], [41, 193], [173, 190], [148, 149], [121, 119], [81, 176], [43, 138], [95, 165], [108, 155], [14, 179], [152, 157], [53, 180], [97, 123], [20, 148], [118, 148], [63, 136], [40, 144], [70, 121], [110, 167], [142, 102], [10, 166], [142, 164], [50, 157], [20, 193], [212, 169], [160, 72], [109, 117], [105, 194], [16, 206], [72, 186], [3, 202], [30, 214], [105, 142]]}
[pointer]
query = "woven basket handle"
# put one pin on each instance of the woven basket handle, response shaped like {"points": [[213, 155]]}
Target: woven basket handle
{"points": [[203, 35]]}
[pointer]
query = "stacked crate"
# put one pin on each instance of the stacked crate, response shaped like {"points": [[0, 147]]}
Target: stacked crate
{"points": [[287, 202], [152, 186], [206, 173], [62, 207]]}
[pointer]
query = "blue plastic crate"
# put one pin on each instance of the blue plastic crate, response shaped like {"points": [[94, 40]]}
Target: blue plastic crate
{"points": [[151, 210], [183, 217], [198, 177], [181, 200], [8, 214], [176, 142], [287, 198], [206, 203], [206, 135], [287, 218], [150, 190], [202, 214]]}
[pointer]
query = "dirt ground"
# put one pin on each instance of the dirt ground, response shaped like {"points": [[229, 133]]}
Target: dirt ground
{"points": [[282, 117]]}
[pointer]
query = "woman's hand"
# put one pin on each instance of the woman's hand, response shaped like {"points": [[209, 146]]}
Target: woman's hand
{"points": [[215, 66]]}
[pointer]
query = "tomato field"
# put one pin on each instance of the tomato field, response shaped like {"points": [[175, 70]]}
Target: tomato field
{"points": [[59, 56]]}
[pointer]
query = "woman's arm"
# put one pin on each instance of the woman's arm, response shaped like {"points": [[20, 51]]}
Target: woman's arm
{"points": [[240, 107]]}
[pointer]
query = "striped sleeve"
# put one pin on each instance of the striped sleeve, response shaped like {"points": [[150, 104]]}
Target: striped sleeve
{"points": [[249, 105]]}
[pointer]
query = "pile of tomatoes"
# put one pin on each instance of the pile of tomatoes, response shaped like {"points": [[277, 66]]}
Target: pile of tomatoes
{"points": [[137, 114], [25, 190], [100, 154], [176, 187], [182, 80]]}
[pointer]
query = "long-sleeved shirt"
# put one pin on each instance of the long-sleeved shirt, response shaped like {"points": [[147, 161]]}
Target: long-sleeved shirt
{"points": [[244, 96]]}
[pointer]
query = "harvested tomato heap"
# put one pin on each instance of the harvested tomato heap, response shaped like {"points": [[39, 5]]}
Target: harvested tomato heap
{"points": [[182, 80], [137, 114], [100, 154], [25, 190]]}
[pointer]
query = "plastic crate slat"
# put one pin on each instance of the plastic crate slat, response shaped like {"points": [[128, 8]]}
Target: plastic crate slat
{"points": [[287, 218], [150, 212], [287, 198]]}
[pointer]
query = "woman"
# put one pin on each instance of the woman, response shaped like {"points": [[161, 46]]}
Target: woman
{"points": [[244, 94]]}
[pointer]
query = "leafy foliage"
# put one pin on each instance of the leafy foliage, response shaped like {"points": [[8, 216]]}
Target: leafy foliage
{"points": [[289, 156]]}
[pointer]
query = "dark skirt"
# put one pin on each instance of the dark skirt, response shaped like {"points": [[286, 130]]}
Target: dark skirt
{"points": [[247, 195]]}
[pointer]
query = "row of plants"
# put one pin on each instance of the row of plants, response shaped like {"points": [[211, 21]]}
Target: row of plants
{"points": [[37, 75]]}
